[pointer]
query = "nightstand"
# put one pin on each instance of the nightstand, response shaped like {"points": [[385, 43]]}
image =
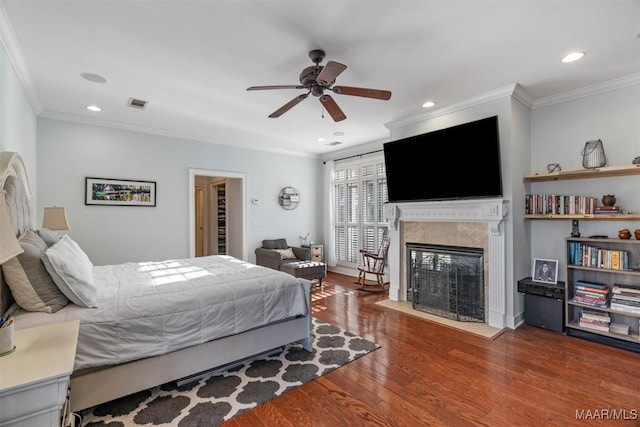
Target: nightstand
{"points": [[316, 252], [34, 379]]}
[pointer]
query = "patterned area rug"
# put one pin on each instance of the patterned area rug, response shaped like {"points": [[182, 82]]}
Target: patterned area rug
{"points": [[216, 399]]}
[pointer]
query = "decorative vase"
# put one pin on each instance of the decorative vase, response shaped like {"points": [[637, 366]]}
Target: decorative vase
{"points": [[636, 232], [624, 233], [609, 200], [636, 161]]}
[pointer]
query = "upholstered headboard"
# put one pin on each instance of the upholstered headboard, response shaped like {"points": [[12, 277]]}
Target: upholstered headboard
{"points": [[15, 183]]}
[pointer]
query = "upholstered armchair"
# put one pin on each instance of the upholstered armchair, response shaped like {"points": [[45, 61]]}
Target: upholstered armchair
{"points": [[275, 252]]}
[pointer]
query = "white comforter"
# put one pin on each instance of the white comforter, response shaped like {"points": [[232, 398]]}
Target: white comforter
{"points": [[146, 309]]}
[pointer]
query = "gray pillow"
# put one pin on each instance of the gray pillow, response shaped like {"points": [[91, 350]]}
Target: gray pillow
{"points": [[275, 244], [31, 285], [50, 237], [72, 270]]}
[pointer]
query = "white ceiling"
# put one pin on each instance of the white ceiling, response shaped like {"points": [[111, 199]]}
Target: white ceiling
{"points": [[193, 60]]}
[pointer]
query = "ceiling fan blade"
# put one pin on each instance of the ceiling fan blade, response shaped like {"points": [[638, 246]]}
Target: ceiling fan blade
{"points": [[330, 72], [275, 87], [364, 92], [332, 108], [289, 105]]}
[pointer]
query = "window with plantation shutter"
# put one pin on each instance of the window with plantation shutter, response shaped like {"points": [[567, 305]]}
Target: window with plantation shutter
{"points": [[360, 193]]}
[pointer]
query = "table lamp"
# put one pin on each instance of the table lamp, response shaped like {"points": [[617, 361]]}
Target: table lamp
{"points": [[55, 218]]}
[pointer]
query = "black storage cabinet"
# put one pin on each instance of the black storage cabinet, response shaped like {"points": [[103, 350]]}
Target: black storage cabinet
{"points": [[543, 304]]}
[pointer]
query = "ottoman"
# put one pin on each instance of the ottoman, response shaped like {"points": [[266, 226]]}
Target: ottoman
{"points": [[306, 270]]}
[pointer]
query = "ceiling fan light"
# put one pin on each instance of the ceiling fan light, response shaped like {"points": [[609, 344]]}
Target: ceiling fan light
{"points": [[573, 56]]}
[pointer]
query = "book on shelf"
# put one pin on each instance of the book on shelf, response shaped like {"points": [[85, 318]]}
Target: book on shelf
{"points": [[555, 204], [595, 315], [589, 302], [615, 260], [591, 256], [608, 210], [626, 297], [626, 303], [602, 328], [624, 289], [619, 328], [624, 307], [591, 289], [594, 285]]}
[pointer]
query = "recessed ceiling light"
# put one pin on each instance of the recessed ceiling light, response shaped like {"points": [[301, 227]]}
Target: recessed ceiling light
{"points": [[320, 139], [338, 133], [429, 104], [92, 77], [94, 108], [573, 56]]}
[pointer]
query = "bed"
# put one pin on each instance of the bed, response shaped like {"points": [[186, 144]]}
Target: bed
{"points": [[145, 324]]}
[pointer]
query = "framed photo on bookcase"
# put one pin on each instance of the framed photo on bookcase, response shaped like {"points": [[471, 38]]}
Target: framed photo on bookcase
{"points": [[545, 271]]}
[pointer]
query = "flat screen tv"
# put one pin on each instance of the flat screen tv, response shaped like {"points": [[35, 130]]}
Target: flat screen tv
{"points": [[460, 162]]}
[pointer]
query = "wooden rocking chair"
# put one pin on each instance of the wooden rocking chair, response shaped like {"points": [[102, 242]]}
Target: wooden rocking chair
{"points": [[374, 263]]}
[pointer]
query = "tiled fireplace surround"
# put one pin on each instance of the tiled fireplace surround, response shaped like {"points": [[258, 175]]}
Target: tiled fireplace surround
{"points": [[464, 223]]}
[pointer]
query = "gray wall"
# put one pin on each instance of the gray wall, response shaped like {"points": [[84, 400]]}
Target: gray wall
{"points": [[69, 152], [17, 119], [558, 135]]}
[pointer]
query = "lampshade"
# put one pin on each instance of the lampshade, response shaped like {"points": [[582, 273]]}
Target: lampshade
{"points": [[9, 246], [55, 218]]}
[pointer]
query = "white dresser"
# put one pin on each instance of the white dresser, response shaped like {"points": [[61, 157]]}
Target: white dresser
{"points": [[34, 379]]}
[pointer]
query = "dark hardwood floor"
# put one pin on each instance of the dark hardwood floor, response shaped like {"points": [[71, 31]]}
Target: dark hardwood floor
{"points": [[428, 374]]}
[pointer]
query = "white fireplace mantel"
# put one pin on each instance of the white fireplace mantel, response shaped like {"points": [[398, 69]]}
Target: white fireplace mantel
{"points": [[493, 212]]}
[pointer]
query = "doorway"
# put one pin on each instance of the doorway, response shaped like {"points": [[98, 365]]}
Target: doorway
{"points": [[216, 213]]}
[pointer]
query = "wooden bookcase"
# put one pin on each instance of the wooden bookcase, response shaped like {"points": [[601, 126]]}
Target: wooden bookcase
{"points": [[601, 274], [608, 277]]}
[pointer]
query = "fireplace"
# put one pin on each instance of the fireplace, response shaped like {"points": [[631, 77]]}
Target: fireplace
{"points": [[459, 223], [447, 281]]}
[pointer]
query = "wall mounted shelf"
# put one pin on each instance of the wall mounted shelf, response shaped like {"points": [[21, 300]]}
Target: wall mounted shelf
{"points": [[607, 171], [588, 217]]}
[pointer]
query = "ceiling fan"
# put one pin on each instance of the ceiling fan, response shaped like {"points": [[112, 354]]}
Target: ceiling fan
{"points": [[318, 78]]}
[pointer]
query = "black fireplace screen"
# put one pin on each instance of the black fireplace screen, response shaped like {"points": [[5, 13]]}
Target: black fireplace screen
{"points": [[447, 281]]}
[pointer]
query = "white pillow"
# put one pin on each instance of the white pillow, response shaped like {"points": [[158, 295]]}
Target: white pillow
{"points": [[72, 271]]}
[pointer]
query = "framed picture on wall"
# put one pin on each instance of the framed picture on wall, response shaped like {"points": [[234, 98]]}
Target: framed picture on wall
{"points": [[545, 271], [119, 192]]}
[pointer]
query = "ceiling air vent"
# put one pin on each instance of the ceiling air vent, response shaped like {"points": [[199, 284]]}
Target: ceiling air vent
{"points": [[137, 103]]}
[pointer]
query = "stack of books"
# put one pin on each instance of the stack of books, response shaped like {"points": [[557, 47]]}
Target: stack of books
{"points": [[555, 204], [619, 328], [591, 256], [597, 320], [625, 298], [607, 210], [589, 293]]}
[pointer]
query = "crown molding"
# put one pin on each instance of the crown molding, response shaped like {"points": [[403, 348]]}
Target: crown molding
{"points": [[514, 90], [211, 139], [11, 47], [619, 83]]}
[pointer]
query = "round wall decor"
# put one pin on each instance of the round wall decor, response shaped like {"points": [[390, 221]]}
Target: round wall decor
{"points": [[289, 198]]}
